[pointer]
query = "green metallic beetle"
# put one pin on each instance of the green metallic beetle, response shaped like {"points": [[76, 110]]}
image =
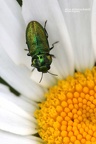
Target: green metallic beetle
{"points": [[38, 47]]}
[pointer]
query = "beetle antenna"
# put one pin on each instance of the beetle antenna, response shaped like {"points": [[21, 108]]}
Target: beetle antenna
{"points": [[52, 74], [41, 77]]}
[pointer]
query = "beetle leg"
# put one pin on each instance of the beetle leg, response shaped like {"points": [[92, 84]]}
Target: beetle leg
{"points": [[33, 69], [45, 29], [28, 54], [46, 33], [52, 55], [26, 49], [45, 24], [53, 45]]}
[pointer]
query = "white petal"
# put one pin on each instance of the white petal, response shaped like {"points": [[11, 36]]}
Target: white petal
{"points": [[19, 78], [7, 138], [41, 10], [12, 28], [77, 14], [13, 123], [13, 118], [94, 26], [10, 106], [25, 104]]}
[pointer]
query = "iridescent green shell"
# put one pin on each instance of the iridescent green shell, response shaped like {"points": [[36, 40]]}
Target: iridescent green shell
{"points": [[36, 39]]}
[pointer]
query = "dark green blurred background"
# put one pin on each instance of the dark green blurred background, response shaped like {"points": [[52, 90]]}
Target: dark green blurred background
{"points": [[20, 2]]}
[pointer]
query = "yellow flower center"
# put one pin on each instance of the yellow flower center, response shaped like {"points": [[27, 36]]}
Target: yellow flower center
{"points": [[68, 116]]}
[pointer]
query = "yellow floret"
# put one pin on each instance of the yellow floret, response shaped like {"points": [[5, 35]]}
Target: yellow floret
{"points": [[68, 115], [66, 140]]}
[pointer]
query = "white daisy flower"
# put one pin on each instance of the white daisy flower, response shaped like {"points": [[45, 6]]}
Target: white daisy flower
{"points": [[66, 114]]}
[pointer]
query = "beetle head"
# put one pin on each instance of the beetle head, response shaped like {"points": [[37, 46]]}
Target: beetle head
{"points": [[42, 62]]}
